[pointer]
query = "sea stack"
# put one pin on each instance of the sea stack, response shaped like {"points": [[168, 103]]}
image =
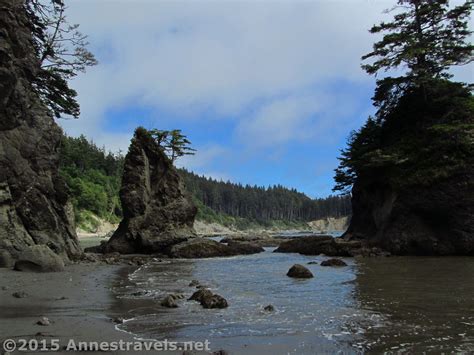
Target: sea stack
{"points": [[437, 219], [34, 207], [158, 212]]}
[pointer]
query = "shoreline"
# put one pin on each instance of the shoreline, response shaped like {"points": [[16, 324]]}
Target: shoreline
{"points": [[78, 302]]}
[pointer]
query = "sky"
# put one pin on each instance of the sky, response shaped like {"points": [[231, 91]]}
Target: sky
{"points": [[267, 91]]}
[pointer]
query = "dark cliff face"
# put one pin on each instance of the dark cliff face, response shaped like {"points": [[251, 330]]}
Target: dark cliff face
{"points": [[158, 212], [34, 205], [416, 220]]}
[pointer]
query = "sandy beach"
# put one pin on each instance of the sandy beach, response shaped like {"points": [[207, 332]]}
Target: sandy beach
{"points": [[77, 302]]}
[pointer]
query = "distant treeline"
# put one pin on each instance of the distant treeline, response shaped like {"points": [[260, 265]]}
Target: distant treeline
{"points": [[263, 204], [94, 174]]}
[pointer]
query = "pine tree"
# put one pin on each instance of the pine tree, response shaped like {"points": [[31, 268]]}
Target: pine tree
{"points": [[426, 37], [174, 143], [61, 52], [419, 112]]}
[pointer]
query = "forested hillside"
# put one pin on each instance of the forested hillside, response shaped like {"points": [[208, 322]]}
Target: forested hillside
{"points": [[260, 203], [93, 176]]}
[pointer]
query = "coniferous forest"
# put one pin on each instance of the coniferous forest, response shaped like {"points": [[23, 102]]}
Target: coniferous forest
{"points": [[93, 176]]}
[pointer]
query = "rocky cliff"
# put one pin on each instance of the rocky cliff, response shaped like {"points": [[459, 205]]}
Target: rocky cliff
{"points": [[34, 205], [329, 224], [158, 213], [436, 219]]}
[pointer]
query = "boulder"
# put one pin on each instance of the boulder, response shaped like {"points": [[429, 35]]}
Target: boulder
{"points": [[207, 248], [199, 295], [170, 301], [20, 294], [43, 321], [157, 210], [300, 272], [207, 299], [269, 308], [39, 258], [215, 301], [333, 262], [316, 245], [34, 205]]}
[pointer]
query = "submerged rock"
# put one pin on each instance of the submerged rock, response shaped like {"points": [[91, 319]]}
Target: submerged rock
{"points": [[158, 211], [39, 258], [34, 206], [169, 301], [269, 308], [333, 262], [207, 248], [300, 272], [194, 283]]}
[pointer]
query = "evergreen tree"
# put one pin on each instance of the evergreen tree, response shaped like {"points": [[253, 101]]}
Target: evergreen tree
{"points": [[61, 52], [424, 123], [426, 37], [174, 143]]}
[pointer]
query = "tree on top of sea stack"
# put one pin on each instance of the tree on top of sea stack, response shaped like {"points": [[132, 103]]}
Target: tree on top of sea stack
{"points": [[425, 37], [411, 167], [158, 211], [174, 143]]}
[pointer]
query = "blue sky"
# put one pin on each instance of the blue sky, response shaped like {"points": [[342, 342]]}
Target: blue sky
{"points": [[267, 91]]}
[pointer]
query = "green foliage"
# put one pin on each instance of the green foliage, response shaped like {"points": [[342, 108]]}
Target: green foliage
{"points": [[423, 129], [93, 177], [419, 142], [174, 143], [61, 52], [87, 221], [260, 204], [425, 36]]}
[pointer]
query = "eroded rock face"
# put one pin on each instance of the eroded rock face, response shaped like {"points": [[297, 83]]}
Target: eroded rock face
{"points": [[417, 220], [158, 213], [34, 208]]}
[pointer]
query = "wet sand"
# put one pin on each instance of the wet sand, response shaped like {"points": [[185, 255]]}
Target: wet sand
{"points": [[77, 302]]}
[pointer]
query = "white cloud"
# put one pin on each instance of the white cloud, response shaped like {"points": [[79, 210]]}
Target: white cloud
{"points": [[192, 55]]}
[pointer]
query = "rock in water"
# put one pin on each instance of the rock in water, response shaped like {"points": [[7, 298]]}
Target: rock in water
{"points": [[436, 219], [158, 212], [43, 321], [34, 207], [207, 248], [315, 245], [169, 301], [215, 301], [207, 299], [333, 262], [269, 308], [300, 272]]}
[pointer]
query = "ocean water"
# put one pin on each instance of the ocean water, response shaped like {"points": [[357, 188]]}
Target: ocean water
{"points": [[372, 305]]}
